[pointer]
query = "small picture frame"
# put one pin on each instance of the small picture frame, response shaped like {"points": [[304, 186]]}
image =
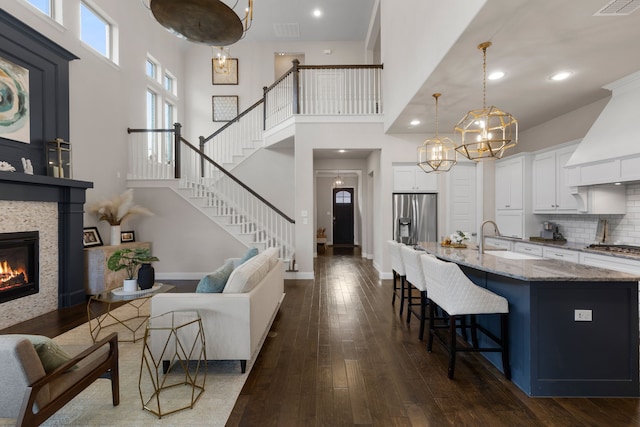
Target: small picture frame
{"points": [[224, 108], [91, 237], [224, 75], [127, 236]]}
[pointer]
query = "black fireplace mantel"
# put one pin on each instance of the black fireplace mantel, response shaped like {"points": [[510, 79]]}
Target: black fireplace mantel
{"points": [[70, 196]]}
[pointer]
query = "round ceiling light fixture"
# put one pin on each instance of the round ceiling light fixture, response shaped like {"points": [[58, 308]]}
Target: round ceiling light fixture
{"points": [[209, 22], [562, 75]]}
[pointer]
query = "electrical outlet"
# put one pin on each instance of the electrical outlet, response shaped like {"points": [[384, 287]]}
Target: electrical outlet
{"points": [[583, 315]]}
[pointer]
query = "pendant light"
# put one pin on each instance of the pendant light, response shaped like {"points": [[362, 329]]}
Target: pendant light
{"points": [[221, 63], [486, 133], [437, 154], [338, 182]]}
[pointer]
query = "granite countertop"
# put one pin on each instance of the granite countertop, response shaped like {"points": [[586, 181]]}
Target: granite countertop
{"points": [[534, 270], [580, 247]]}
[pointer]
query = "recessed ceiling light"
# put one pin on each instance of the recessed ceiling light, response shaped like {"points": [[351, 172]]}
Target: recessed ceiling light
{"points": [[414, 122], [342, 151], [562, 75], [496, 75], [317, 13]]}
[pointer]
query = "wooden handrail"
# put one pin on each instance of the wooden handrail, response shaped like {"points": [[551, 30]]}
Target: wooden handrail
{"points": [[226, 125], [237, 181]]}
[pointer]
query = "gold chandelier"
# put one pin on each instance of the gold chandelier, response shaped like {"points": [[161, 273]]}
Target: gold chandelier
{"points": [[210, 22], [486, 133], [221, 62], [437, 154]]}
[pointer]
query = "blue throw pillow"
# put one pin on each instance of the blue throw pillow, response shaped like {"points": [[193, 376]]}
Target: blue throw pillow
{"points": [[247, 256], [215, 282]]}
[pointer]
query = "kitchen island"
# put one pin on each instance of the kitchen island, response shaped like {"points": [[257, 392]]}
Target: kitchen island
{"points": [[573, 329]]}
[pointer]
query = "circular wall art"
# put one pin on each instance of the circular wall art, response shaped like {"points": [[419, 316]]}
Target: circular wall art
{"points": [[14, 102]]}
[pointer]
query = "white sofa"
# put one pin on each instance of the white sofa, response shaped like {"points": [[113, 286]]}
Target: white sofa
{"points": [[237, 320]]}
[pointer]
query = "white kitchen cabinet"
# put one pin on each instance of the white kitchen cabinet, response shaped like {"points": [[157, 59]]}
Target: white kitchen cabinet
{"points": [[560, 254], [498, 243], [551, 193], [412, 179], [514, 215], [510, 223], [510, 183], [613, 263], [527, 248]]}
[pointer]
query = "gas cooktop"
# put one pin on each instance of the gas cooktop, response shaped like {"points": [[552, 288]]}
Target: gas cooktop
{"points": [[620, 249]]}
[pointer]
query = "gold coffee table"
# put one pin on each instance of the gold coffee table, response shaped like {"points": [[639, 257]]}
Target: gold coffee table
{"points": [[173, 369], [132, 322]]}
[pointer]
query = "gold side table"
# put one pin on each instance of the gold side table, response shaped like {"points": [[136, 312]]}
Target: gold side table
{"points": [[173, 369], [131, 322]]}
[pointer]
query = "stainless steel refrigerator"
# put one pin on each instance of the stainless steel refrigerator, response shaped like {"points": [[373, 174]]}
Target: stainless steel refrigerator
{"points": [[415, 217]]}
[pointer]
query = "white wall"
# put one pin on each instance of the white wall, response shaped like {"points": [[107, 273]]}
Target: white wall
{"points": [[263, 169], [106, 98], [256, 69], [409, 53], [334, 135], [188, 243]]}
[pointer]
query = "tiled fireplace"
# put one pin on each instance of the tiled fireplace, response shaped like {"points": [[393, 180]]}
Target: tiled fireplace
{"points": [[52, 208]]}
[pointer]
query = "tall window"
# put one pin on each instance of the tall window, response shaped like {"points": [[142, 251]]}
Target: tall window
{"points": [[152, 69], [96, 31], [44, 6], [162, 111]]}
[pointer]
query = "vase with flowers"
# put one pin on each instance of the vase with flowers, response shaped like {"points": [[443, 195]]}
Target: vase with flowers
{"points": [[116, 210], [457, 239]]}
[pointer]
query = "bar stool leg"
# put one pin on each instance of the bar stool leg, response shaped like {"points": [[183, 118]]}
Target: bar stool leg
{"points": [[474, 331], [504, 343], [431, 325], [402, 297], [423, 312], [452, 345], [395, 287]]}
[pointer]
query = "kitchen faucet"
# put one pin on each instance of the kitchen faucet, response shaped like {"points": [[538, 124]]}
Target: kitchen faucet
{"points": [[481, 242]]}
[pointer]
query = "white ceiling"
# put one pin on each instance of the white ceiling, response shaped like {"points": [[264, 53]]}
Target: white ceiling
{"points": [[342, 20], [531, 40]]}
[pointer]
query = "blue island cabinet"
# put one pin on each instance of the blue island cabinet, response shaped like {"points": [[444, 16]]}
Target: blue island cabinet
{"points": [[552, 354]]}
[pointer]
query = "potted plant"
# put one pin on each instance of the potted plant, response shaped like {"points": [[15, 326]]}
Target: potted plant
{"points": [[130, 260]]}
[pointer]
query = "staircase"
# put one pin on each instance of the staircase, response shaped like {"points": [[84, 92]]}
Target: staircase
{"points": [[243, 225], [201, 175]]}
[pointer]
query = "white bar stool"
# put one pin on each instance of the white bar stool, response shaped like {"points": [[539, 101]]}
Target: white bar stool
{"points": [[415, 278], [456, 295], [397, 267]]}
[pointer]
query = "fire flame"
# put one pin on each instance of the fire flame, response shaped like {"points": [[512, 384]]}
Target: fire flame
{"points": [[7, 273]]}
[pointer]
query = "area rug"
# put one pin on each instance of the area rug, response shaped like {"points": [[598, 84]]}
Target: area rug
{"points": [[93, 406]]}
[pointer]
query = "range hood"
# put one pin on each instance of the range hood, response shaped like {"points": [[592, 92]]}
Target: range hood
{"points": [[610, 151]]}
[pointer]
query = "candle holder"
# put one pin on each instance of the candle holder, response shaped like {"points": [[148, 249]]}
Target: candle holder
{"points": [[59, 158]]}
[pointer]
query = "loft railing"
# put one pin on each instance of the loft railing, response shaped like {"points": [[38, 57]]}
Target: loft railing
{"points": [[151, 158], [342, 90]]}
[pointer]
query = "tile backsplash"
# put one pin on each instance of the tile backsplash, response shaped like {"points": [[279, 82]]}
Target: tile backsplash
{"points": [[623, 229]]}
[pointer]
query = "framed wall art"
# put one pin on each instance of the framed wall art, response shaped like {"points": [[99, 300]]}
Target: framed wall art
{"points": [[224, 108], [223, 73], [91, 237], [127, 236]]}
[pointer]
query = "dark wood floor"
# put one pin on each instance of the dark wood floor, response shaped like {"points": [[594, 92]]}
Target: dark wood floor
{"points": [[338, 354]]}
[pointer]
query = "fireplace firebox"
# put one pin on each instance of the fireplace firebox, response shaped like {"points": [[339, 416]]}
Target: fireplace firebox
{"points": [[18, 265]]}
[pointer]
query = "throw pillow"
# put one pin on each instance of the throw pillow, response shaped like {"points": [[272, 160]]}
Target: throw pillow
{"points": [[215, 282], [51, 355], [248, 255]]}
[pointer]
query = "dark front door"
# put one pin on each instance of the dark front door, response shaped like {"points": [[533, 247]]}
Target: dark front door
{"points": [[343, 216]]}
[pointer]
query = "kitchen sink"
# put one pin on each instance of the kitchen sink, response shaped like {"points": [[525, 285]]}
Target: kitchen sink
{"points": [[512, 255]]}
